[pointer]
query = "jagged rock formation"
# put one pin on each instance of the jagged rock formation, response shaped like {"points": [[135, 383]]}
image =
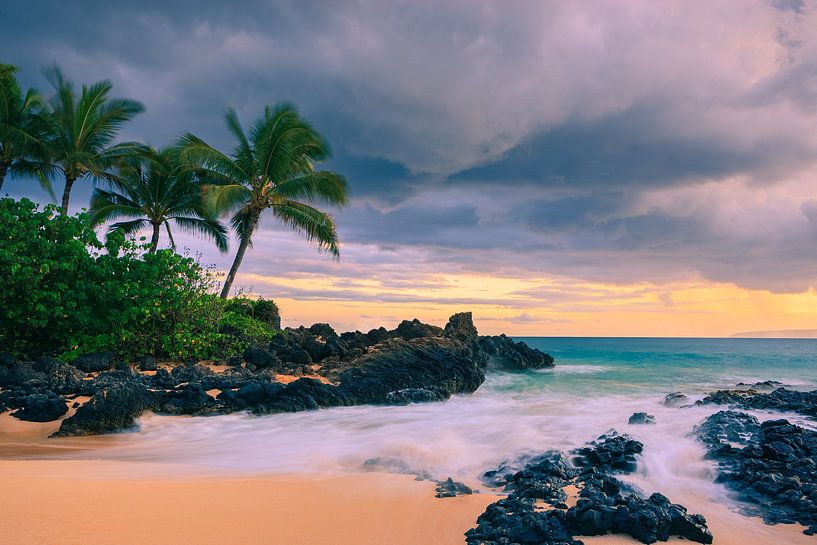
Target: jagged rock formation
{"points": [[605, 504], [413, 363], [771, 466]]}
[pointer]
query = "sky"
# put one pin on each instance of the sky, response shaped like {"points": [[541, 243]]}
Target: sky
{"points": [[630, 168]]}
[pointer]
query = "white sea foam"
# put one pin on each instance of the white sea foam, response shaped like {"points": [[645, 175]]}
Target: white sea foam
{"points": [[460, 438]]}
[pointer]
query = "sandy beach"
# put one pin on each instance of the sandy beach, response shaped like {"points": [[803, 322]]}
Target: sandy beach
{"points": [[104, 502]]}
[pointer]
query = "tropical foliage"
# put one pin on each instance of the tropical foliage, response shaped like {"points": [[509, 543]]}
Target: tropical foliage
{"points": [[64, 291], [82, 129], [152, 189], [22, 127], [271, 167]]}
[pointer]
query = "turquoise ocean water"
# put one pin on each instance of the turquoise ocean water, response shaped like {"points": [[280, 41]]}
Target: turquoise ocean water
{"points": [[645, 365]]}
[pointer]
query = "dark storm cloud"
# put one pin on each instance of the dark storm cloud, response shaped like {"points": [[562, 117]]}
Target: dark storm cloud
{"points": [[640, 146], [537, 137]]}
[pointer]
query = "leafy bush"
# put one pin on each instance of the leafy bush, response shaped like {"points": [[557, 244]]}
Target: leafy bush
{"points": [[263, 310], [241, 331], [63, 291]]}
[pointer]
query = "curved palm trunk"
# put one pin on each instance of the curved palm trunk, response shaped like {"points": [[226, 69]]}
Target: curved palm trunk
{"points": [[239, 256], [3, 169], [154, 240], [66, 194], [170, 236]]}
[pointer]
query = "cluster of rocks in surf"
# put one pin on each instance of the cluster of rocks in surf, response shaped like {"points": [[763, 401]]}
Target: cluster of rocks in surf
{"points": [[781, 399], [772, 466], [605, 503], [415, 362]]}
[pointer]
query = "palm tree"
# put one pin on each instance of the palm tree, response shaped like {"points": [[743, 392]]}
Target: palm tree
{"points": [[21, 126], [270, 168], [155, 189], [82, 130]]}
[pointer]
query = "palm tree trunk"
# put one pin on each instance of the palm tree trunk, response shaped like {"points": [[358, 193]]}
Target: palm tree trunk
{"points": [[170, 236], [66, 194], [154, 241], [239, 256], [3, 169]]}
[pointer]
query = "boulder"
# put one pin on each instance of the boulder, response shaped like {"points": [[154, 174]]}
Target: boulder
{"points": [[450, 488], [96, 361], [147, 363], [261, 358], [322, 330], [431, 363], [781, 399], [504, 353], [676, 399], [112, 409], [771, 465], [610, 452], [41, 408], [415, 329], [641, 418], [187, 399]]}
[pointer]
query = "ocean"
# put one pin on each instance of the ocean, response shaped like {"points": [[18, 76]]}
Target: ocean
{"points": [[596, 385]]}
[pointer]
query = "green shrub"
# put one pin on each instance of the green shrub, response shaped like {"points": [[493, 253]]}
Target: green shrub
{"points": [[241, 331], [63, 291], [266, 311]]}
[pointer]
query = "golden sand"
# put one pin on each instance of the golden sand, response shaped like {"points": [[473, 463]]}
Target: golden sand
{"points": [[96, 502]]}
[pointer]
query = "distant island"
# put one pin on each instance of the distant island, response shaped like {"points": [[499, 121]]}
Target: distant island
{"points": [[778, 334]]}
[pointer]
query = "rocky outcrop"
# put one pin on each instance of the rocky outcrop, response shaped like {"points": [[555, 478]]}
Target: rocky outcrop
{"points": [[780, 399], [605, 504], [98, 361], [772, 466], [503, 353], [112, 409], [641, 418], [676, 399], [413, 363], [450, 488], [41, 408]]}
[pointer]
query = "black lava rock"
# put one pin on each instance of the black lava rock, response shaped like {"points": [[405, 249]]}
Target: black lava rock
{"points": [[771, 466], [781, 399], [676, 399], [641, 418], [97, 361], [504, 353], [112, 409], [450, 488], [41, 408], [261, 358], [147, 363], [602, 508]]}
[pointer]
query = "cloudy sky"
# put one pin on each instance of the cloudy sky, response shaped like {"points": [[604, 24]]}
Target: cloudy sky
{"points": [[585, 168]]}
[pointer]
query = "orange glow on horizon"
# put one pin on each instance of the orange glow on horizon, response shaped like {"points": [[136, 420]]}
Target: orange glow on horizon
{"points": [[540, 306]]}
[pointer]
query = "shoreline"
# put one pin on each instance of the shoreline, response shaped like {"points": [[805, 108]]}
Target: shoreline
{"points": [[99, 502]]}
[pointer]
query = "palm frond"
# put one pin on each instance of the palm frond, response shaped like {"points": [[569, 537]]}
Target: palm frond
{"points": [[129, 227], [218, 167], [208, 228], [224, 199], [322, 186], [310, 222]]}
